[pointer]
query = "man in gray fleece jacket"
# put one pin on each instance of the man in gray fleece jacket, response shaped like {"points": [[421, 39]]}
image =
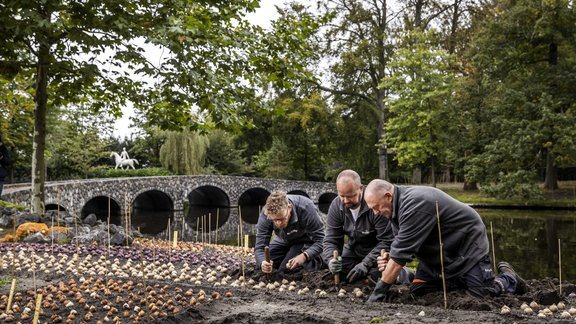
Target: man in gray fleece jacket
{"points": [[413, 212]]}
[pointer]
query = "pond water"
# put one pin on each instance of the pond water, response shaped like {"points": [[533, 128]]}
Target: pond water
{"points": [[529, 240]]}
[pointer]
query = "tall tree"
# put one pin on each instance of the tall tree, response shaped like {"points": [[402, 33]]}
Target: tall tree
{"points": [[359, 43], [184, 152], [421, 83], [95, 51], [307, 127], [16, 120], [526, 51], [222, 155]]}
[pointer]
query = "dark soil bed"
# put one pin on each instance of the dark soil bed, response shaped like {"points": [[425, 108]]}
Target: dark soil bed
{"points": [[100, 298]]}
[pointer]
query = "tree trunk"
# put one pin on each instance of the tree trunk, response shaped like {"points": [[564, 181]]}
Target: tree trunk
{"points": [[551, 180], [470, 186], [39, 141], [382, 149], [417, 175], [433, 172]]}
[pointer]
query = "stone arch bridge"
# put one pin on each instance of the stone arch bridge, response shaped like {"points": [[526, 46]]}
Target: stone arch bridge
{"points": [[200, 207]]}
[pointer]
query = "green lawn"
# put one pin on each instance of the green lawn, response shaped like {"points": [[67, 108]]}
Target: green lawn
{"points": [[564, 196]]}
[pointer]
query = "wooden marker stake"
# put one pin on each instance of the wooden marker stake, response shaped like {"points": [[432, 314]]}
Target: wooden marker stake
{"points": [[58, 210], [217, 223], [37, 310], [209, 228], [493, 248], [560, 266], [441, 256], [12, 288], [244, 251], [109, 207]]}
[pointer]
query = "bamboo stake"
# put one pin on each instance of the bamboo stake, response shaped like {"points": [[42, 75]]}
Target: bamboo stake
{"points": [[441, 256], [37, 309], [560, 266], [209, 230], [11, 295], [238, 236], [52, 236], [168, 231], [244, 252], [240, 222], [76, 231], [109, 207], [169, 247], [143, 270], [130, 218], [34, 274], [493, 248], [217, 223], [126, 218], [183, 227], [197, 228], [14, 248], [58, 209]]}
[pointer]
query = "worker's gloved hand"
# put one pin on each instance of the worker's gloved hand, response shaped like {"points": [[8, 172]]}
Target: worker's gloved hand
{"points": [[335, 265], [358, 272], [380, 292], [266, 267]]}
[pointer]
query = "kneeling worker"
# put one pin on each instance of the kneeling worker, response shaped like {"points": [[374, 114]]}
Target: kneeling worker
{"points": [[299, 234]]}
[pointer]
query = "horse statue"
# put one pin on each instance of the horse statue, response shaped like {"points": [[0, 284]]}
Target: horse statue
{"points": [[120, 162]]}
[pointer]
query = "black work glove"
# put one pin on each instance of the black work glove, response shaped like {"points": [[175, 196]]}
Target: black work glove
{"points": [[380, 292], [358, 272], [335, 265]]}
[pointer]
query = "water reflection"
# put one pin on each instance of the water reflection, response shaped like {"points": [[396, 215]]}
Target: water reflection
{"points": [[529, 240], [151, 221]]}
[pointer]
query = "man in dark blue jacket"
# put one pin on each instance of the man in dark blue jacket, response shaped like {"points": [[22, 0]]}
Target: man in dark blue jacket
{"points": [[367, 234], [4, 163], [299, 233], [421, 217]]}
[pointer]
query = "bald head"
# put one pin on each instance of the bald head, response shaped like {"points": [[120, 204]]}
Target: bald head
{"points": [[378, 196], [379, 186], [349, 188], [347, 176]]}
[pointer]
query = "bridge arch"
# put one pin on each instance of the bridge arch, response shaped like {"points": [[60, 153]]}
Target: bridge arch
{"points": [[299, 193], [325, 200], [54, 207], [250, 204], [151, 210], [102, 207], [210, 205]]}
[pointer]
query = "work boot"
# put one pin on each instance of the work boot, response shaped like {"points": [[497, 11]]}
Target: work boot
{"points": [[505, 267]]}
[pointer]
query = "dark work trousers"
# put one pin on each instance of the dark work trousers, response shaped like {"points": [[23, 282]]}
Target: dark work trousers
{"points": [[281, 252], [478, 281], [351, 259]]}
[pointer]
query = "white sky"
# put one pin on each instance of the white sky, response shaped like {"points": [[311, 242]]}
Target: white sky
{"points": [[262, 17]]}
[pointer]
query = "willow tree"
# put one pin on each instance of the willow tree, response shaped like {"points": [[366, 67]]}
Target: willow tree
{"points": [[184, 152]]}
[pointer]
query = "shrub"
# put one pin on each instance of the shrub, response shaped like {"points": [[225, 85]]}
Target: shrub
{"points": [[107, 172]]}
